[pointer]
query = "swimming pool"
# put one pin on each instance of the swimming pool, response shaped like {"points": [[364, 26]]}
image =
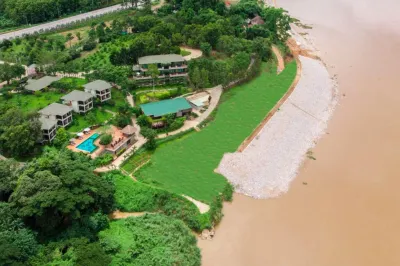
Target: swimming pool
{"points": [[88, 145]]}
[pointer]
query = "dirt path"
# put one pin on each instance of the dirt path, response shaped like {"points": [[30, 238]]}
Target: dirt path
{"points": [[279, 57], [122, 215], [130, 100], [203, 208], [194, 53]]}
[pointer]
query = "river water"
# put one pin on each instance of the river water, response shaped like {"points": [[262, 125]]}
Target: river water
{"points": [[344, 208]]}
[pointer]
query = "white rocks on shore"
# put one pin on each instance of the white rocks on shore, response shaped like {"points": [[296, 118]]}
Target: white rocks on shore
{"points": [[271, 161]]}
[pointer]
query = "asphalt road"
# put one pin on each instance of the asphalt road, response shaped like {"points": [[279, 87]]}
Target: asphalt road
{"points": [[60, 23]]}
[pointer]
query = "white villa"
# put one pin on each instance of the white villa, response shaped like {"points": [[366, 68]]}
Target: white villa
{"points": [[80, 101], [49, 128], [100, 89], [59, 113]]}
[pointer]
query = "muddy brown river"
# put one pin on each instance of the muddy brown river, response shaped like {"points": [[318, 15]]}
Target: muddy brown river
{"points": [[344, 208]]}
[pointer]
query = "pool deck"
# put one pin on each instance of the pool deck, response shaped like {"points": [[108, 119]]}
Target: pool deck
{"points": [[85, 137]]}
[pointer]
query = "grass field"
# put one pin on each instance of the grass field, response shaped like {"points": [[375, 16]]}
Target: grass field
{"points": [[118, 97], [139, 158], [81, 122], [30, 102], [186, 166], [74, 82]]}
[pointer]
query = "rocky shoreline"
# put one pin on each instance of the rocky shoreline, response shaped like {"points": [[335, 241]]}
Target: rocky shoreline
{"points": [[266, 167]]}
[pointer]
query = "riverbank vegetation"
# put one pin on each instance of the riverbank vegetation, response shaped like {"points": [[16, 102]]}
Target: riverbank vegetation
{"points": [[153, 239]]}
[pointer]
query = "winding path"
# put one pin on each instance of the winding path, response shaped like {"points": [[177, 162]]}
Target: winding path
{"points": [[279, 57]]}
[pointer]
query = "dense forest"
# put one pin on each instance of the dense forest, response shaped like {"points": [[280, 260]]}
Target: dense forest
{"points": [[18, 12]]}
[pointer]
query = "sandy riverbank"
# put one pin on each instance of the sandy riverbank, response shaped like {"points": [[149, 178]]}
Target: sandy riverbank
{"points": [[347, 214], [270, 162]]}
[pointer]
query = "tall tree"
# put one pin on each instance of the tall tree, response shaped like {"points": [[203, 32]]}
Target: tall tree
{"points": [[154, 73], [17, 243], [8, 178], [9, 72], [19, 132], [195, 78]]}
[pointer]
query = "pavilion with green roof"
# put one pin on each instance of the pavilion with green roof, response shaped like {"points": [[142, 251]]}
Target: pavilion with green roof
{"points": [[178, 106]]}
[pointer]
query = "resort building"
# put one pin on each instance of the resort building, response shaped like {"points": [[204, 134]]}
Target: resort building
{"points": [[59, 113], [177, 106], [49, 128], [80, 101], [99, 89], [122, 139], [199, 100], [40, 84], [172, 67]]}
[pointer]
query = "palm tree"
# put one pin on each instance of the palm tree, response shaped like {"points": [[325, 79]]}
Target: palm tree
{"points": [[154, 73]]}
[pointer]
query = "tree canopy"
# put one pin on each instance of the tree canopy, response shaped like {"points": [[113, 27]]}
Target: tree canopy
{"points": [[19, 132], [58, 188]]}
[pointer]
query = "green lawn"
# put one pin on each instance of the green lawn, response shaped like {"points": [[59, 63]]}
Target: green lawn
{"points": [[75, 82], [186, 166], [139, 158], [185, 52], [118, 97], [81, 122], [30, 102]]}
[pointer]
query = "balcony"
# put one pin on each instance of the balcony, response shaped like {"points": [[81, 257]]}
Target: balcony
{"points": [[174, 75]]}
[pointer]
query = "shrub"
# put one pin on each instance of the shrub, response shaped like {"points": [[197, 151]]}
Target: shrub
{"points": [[103, 160], [148, 132], [136, 111], [89, 45], [152, 239], [105, 139], [143, 121], [121, 151], [178, 123]]}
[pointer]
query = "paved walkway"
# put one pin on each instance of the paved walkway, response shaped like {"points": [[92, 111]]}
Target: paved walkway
{"points": [[130, 100], [215, 94]]}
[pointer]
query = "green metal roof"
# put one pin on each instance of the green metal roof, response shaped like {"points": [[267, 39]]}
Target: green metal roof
{"points": [[165, 107]]}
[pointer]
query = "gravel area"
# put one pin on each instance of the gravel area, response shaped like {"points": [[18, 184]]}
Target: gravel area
{"points": [[271, 161]]}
